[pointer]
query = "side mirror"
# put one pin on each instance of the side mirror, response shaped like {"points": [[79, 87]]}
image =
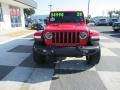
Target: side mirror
{"points": [[45, 21]]}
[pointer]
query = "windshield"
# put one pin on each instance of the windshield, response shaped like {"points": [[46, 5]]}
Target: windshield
{"points": [[66, 17], [114, 20], [102, 20]]}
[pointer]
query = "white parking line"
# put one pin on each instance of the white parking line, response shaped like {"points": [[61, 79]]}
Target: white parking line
{"points": [[110, 44], [27, 38], [103, 37], [10, 85], [110, 79], [107, 52]]}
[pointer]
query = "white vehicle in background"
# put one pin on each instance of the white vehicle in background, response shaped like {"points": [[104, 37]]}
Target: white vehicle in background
{"points": [[101, 21]]}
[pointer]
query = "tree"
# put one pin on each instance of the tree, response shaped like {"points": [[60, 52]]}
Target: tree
{"points": [[110, 13], [117, 12], [28, 12]]}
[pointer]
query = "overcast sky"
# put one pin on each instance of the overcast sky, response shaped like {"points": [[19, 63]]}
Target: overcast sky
{"points": [[97, 7]]}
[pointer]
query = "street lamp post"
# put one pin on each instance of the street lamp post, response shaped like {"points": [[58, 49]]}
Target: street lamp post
{"points": [[88, 8], [50, 7]]}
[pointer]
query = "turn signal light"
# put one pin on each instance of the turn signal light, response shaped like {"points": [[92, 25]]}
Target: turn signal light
{"points": [[37, 35]]}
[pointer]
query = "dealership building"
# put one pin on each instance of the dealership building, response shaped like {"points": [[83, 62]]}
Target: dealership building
{"points": [[12, 14]]}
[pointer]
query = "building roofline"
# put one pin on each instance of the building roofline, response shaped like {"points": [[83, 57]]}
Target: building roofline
{"points": [[32, 5]]}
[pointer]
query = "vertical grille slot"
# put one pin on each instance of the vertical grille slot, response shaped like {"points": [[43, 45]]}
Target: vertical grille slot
{"points": [[53, 39], [69, 37], [57, 37], [73, 37], [61, 37], [65, 37], [78, 37]]}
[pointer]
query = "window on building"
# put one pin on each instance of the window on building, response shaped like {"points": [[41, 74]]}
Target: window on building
{"points": [[15, 16], [1, 14]]}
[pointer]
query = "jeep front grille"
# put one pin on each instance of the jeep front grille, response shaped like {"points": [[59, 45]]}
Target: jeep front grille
{"points": [[65, 38]]}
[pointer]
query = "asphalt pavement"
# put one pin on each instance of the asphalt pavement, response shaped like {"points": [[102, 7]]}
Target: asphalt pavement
{"points": [[19, 72]]}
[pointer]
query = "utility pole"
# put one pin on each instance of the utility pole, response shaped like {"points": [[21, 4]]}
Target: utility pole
{"points": [[88, 8], [50, 6]]}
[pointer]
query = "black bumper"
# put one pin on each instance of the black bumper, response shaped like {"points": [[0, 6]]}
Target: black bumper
{"points": [[66, 51]]}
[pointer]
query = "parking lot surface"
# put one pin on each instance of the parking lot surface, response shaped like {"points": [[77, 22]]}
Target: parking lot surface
{"points": [[19, 72]]}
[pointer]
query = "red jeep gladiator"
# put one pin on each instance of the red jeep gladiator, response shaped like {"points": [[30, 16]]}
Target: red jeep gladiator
{"points": [[66, 35]]}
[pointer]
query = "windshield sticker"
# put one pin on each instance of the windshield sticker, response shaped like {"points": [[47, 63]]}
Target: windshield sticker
{"points": [[52, 19]]}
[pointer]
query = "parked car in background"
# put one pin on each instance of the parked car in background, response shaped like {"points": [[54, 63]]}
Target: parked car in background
{"points": [[37, 26], [112, 20], [116, 26], [100, 21]]}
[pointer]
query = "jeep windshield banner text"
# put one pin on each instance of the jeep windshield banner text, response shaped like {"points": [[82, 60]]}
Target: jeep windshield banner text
{"points": [[66, 17]]}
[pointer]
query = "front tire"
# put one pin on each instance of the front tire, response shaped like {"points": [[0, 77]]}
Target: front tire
{"points": [[93, 59], [38, 59]]}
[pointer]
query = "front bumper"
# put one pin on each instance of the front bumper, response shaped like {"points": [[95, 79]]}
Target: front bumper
{"points": [[66, 51]]}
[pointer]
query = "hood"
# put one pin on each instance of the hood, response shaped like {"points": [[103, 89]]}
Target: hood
{"points": [[64, 27]]}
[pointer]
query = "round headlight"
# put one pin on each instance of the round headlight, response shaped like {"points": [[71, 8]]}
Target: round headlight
{"points": [[48, 35], [83, 35]]}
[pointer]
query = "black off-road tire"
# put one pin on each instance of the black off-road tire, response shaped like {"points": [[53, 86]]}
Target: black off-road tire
{"points": [[38, 59], [93, 59]]}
